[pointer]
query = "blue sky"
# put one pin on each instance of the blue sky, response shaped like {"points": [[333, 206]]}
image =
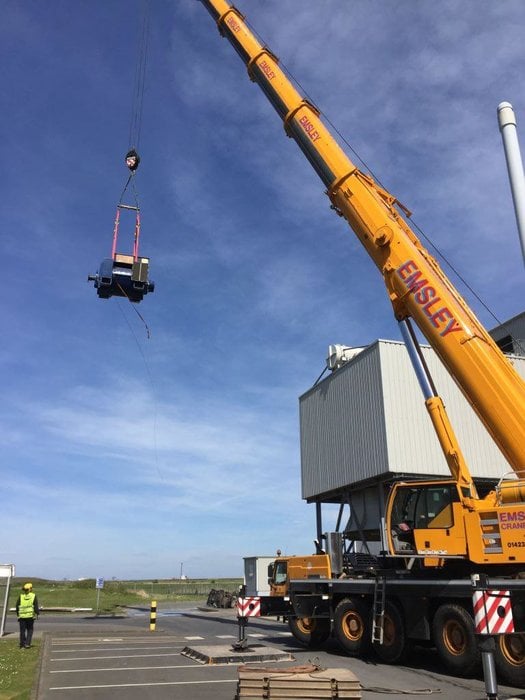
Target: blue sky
{"points": [[125, 456]]}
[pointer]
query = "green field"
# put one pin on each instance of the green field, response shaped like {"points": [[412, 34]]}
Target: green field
{"points": [[116, 594]]}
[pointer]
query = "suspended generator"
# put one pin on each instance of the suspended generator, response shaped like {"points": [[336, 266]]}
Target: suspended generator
{"points": [[124, 274]]}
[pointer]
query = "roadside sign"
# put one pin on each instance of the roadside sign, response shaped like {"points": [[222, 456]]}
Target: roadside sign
{"points": [[100, 583], [7, 571]]}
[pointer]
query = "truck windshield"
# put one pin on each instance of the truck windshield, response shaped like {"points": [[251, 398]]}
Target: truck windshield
{"points": [[279, 575]]}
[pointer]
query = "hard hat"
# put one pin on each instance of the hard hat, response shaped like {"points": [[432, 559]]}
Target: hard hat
{"points": [[27, 586]]}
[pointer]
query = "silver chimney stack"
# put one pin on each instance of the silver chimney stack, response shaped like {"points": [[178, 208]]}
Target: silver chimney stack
{"points": [[507, 126]]}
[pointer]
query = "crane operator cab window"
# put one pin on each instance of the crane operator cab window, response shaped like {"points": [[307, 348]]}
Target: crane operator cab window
{"points": [[426, 507], [279, 573], [434, 507]]}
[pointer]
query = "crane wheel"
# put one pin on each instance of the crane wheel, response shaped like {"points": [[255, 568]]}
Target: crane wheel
{"points": [[352, 626], [454, 636], [310, 632], [510, 659], [394, 647]]}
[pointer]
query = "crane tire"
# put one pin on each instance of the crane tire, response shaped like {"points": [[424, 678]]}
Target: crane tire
{"points": [[510, 659], [352, 626], [454, 636], [395, 646], [310, 632]]}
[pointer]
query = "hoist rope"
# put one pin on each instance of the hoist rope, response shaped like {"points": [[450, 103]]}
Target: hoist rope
{"points": [[137, 104], [139, 82]]}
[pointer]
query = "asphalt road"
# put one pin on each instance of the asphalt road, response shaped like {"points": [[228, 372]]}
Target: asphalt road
{"points": [[99, 658]]}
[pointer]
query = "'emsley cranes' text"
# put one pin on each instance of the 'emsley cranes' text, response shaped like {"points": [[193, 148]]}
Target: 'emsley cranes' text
{"points": [[440, 316]]}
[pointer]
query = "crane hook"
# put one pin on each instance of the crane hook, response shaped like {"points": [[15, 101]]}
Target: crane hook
{"points": [[132, 160]]}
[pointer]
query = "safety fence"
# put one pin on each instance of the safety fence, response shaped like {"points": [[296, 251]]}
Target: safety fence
{"points": [[161, 589]]}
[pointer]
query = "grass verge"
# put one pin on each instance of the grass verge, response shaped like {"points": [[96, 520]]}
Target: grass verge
{"points": [[18, 668]]}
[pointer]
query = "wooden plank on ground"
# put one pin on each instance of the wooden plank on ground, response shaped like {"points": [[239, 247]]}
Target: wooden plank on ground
{"points": [[301, 683]]}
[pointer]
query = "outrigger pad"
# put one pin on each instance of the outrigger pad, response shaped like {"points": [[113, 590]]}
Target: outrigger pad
{"points": [[123, 277]]}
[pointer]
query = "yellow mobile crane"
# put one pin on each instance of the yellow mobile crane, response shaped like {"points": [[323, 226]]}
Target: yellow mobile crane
{"points": [[453, 530]]}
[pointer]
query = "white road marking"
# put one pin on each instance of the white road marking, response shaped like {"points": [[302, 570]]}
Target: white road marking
{"points": [[123, 656], [140, 668], [141, 685], [153, 637], [76, 651]]}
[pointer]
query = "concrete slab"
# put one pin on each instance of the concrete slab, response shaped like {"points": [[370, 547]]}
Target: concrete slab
{"points": [[226, 654]]}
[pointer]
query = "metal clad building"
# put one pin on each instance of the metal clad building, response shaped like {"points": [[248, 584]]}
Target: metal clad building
{"points": [[510, 336], [367, 422]]}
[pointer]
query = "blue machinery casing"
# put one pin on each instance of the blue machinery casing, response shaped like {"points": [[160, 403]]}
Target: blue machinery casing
{"points": [[124, 277]]}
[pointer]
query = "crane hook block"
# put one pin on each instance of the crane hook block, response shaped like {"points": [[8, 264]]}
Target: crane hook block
{"points": [[132, 160], [123, 276]]}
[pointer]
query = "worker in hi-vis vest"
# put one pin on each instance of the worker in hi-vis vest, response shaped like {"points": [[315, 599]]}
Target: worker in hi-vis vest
{"points": [[26, 610]]}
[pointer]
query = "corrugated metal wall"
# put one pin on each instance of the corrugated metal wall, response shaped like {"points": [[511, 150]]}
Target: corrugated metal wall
{"points": [[342, 421], [368, 421], [511, 335]]}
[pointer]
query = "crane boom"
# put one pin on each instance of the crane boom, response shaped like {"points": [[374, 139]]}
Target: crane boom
{"points": [[415, 283]]}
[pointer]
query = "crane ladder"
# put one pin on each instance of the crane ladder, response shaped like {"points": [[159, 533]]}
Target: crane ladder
{"points": [[378, 617]]}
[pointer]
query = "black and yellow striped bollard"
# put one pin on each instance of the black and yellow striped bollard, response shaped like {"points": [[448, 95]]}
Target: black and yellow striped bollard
{"points": [[153, 616]]}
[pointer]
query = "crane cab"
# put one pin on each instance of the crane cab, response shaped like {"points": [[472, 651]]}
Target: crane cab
{"points": [[426, 519]]}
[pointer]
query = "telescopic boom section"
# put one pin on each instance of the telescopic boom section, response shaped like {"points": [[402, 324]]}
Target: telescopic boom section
{"points": [[417, 286]]}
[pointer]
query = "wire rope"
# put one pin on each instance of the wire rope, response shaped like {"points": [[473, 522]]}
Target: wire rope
{"points": [[437, 250], [137, 102]]}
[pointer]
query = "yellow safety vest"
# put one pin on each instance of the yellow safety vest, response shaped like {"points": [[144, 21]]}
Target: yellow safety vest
{"points": [[26, 607]]}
